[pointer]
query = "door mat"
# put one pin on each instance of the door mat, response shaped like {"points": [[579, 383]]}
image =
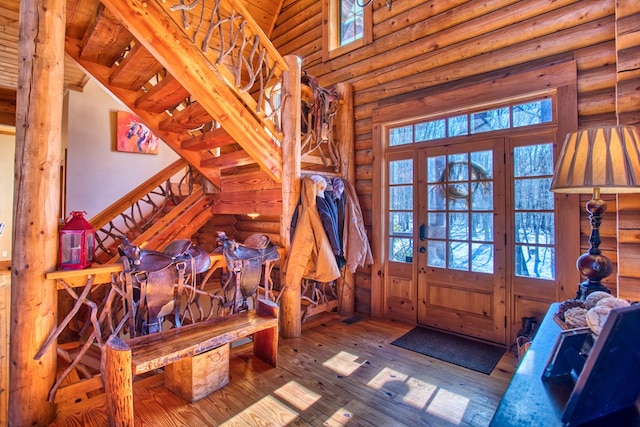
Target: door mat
{"points": [[468, 353], [351, 320]]}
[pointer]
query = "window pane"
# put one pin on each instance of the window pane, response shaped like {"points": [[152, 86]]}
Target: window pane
{"points": [[485, 121], [535, 228], [457, 126], [436, 228], [401, 249], [459, 255], [532, 113], [482, 227], [482, 165], [535, 261], [457, 194], [482, 196], [401, 222], [533, 194], [436, 253], [401, 136], [431, 130], [533, 160], [459, 226], [436, 198], [401, 197], [401, 172], [351, 22], [482, 258], [435, 168]]}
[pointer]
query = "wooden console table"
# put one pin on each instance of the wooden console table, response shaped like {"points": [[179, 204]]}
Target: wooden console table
{"points": [[529, 401]]}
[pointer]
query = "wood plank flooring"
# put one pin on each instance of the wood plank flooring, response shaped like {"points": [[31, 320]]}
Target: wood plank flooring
{"points": [[335, 374]]}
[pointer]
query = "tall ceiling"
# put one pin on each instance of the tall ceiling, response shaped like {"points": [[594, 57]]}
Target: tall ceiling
{"points": [[265, 12]]}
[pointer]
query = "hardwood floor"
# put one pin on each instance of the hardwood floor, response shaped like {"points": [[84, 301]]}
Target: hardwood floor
{"points": [[334, 374]]}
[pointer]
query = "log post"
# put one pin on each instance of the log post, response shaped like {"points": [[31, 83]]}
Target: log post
{"points": [[291, 312], [118, 382], [36, 209], [344, 133]]}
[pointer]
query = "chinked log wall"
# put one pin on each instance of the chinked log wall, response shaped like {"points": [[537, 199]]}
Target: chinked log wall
{"points": [[442, 44]]}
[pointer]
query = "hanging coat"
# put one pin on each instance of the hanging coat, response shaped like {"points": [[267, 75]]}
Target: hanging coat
{"points": [[355, 244], [310, 255]]}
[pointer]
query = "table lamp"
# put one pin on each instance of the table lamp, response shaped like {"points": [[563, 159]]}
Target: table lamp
{"points": [[601, 160]]}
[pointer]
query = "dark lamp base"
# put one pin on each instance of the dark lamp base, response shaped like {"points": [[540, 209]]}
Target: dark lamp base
{"points": [[587, 287]]}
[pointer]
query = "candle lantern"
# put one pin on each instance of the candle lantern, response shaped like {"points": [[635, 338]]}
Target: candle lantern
{"points": [[76, 243]]}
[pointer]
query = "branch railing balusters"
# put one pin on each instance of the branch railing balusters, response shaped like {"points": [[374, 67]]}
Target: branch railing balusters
{"points": [[240, 47]]}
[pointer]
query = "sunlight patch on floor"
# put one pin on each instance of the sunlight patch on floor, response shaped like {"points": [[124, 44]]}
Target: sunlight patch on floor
{"points": [[412, 391], [448, 406], [264, 412], [297, 395], [344, 363], [341, 417]]}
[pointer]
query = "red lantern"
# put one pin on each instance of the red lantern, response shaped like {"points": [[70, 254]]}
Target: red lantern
{"points": [[76, 243]]}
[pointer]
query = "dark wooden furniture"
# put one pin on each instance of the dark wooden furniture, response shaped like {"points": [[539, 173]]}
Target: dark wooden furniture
{"points": [[530, 401]]}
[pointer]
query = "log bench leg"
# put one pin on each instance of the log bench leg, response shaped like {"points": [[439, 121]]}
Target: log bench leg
{"points": [[265, 343], [118, 382], [193, 378]]}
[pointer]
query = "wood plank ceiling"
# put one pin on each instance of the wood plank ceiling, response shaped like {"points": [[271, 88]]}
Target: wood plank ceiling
{"points": [[265, 12]]}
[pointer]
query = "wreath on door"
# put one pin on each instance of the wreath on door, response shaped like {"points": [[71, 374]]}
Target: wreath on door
{"points": [[478, 172]]}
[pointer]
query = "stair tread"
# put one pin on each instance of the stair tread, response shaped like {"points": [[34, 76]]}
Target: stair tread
{"points": [[208, 140], [163, 96], [192, 117], [105, 40], [136, 69]]}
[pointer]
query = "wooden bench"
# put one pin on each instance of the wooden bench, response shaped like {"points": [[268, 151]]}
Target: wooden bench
{"points": [[195, 357]]}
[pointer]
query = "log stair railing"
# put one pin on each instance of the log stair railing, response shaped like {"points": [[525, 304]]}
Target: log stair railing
{"points": [[168, 206], [201, 75]]}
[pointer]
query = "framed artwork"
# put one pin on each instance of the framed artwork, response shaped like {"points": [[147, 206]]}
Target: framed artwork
{"points": [[133, 136]]}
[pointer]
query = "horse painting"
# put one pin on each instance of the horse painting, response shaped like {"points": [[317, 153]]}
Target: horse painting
{"points": [[134, 136], [146, 141]]}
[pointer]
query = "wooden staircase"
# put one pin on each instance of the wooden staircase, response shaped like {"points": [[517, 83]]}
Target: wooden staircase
{"points": [[207, 88], [168, 206]]}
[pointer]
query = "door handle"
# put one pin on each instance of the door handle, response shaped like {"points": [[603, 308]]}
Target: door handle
{"points": [[423, 232]]}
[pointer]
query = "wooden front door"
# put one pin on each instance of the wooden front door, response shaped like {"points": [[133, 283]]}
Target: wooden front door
{"points": [[461, 210]]}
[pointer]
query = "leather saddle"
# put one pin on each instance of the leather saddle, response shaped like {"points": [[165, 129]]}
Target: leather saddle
{"points": [[154, 281], [245, 260]]}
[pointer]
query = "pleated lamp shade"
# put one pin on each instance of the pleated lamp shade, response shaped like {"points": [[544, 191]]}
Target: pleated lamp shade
{"points": [[607, 158]]}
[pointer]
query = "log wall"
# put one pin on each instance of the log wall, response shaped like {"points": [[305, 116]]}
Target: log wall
{"points": [[628, 109], [443, 44]]}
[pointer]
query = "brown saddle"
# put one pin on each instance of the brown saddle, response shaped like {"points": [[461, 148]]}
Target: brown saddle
{"points": [[244, 261], [154, 281]]}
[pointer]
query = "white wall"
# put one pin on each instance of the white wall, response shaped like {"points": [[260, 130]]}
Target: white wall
{"points": [[7, 160], [98, 175]]}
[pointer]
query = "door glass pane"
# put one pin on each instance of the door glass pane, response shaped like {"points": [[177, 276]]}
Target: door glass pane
{"points": [[401, 222], [436, 253], [534, 227], [459, 256], [460, 213], [401, 249], [482, 227], [482, 257], [401, 197], [400, 210]]}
